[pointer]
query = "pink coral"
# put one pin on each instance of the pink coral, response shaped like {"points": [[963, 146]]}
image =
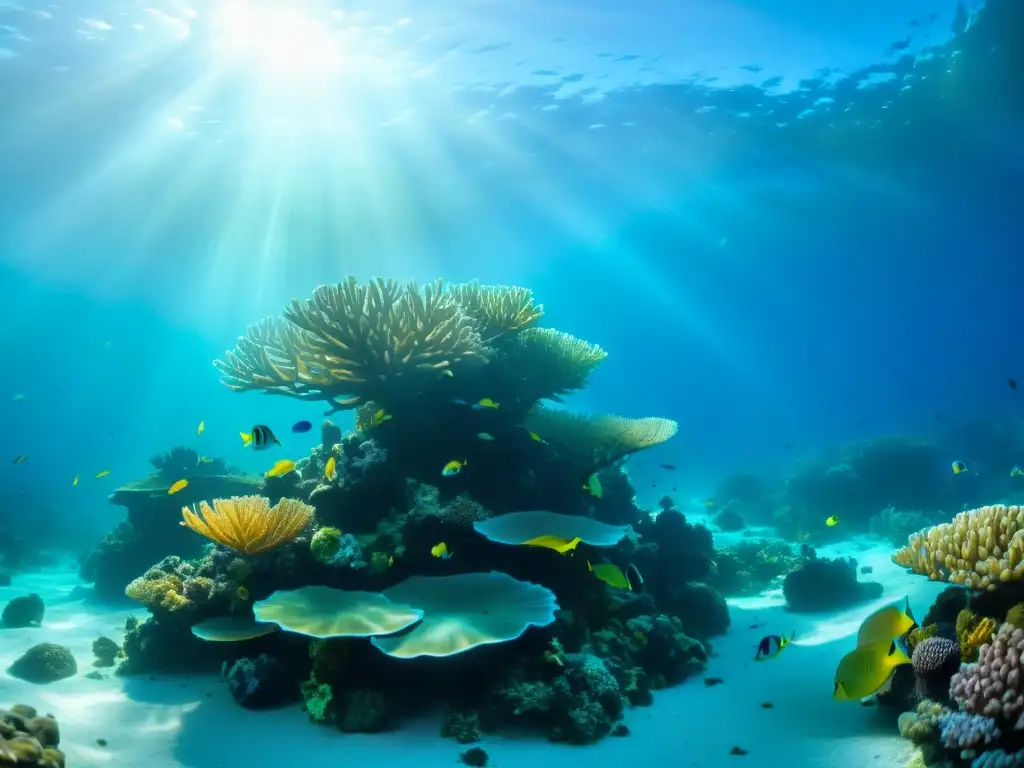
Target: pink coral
{"points": [[993, 685]]}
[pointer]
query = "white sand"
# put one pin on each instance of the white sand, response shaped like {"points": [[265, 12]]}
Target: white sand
{"points": [[192, 721]]}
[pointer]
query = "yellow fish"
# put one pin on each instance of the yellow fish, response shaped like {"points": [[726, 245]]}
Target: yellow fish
{"points": [[75, 481], [453, 467], [958, 467], [886, 624], [104, 473], [201, 428], [553, 542], [438, 550], [177, 486], [242, 593], [771, 646], [832, 521], [380, 417], [331, 469], [610, 574], [485, 402], [593, 486], [282, 467], [1016, 472], [864, 671], [536, 438], [708, 503]]}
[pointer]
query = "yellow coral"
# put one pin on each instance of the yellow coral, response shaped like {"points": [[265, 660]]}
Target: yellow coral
{"points": [[592, 442], [972, 632], [157, 589], [978, 549], [248, 524]]}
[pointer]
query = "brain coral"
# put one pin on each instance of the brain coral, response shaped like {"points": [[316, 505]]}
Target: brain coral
{"points": [[934, 654], [978, 549]]}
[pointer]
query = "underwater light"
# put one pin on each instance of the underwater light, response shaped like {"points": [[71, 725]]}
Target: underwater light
{"points": [[277, 40]]}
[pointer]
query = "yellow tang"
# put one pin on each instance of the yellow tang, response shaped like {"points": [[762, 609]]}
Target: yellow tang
{"points": [[453, 467], [201, 428], [331, 469], [104, 473], [486, 402], [611, 575], [438, 550], [886, 624], [179, 485], [556, 543], [282, 467], [832, 521], [864, 671]]}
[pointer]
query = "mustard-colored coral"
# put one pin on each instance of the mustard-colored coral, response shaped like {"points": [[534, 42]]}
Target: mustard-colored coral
{"points": [[978, 549], [248, 524], [158, 590], [591, 442], [498, 310], [352, 342], [972, 632]]}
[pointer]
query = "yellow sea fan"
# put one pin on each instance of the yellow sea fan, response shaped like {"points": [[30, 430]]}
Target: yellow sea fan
{"points": [[592, 442], [248, 524]]}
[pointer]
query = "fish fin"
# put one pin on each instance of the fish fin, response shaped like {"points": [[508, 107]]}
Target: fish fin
{"points": [[246, 439], [908, 612]]}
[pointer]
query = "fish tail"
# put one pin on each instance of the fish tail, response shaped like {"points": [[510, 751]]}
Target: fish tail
{"points": [[246, 439], [909, 613]]}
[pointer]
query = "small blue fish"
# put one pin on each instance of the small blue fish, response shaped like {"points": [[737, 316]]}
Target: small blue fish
{"points": [[302, 426]]}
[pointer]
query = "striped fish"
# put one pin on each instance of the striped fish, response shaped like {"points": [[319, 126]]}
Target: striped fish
{"points": [[260, 438]]}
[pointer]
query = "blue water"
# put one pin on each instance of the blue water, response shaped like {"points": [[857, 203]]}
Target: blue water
{"points": [[791, 225]]}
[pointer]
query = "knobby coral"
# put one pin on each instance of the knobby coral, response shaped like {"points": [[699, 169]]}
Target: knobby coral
{"points": [[978, 549], [248, 524], [993, 686]]}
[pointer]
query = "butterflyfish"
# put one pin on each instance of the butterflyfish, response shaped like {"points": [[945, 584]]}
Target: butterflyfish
{"points": [[260, 438], [453, 468], [593, 486], [201, 428], [832, 521], [771, 646], [556, 543], [282, 467], [439, 550], [302, 426], [103, 473], [485, 402], [611, 575], [177, 486], [331, 469], [864, 671], [958, 467], [886, 624]]}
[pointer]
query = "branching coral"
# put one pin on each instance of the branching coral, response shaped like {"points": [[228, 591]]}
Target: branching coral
{"points": [[351, 343], [557, 363], [248, 524], [979, 549], [592, 442], [498, 310], [973, 632]]}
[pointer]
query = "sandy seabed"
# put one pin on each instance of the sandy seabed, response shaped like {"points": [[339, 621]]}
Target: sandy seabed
{"points": [[192, 721]]}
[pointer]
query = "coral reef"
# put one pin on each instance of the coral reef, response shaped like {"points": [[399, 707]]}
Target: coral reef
{"points": [[343, 594], [752, 566], [29, 739], [106, 652], [898, 525]]}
